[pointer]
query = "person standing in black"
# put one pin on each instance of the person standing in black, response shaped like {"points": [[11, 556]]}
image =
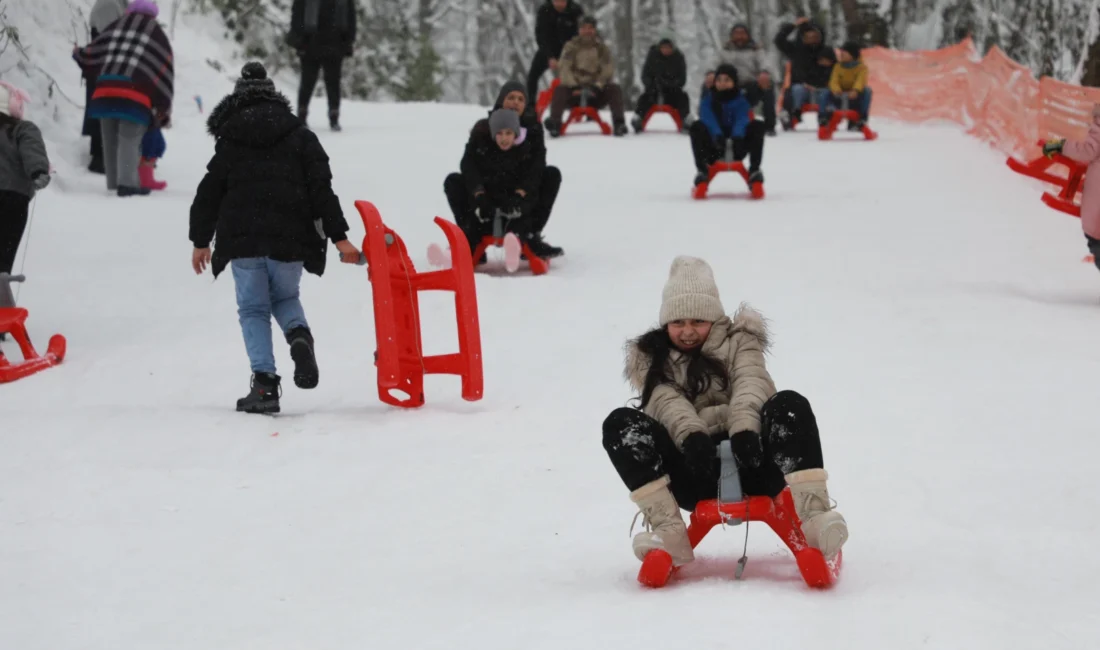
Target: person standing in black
{"points": [[323, 32], [557, 23]]}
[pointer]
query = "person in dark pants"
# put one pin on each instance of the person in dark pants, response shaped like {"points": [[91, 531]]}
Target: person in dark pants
{"points": [[756, 81], [811, 66], [702, 379], [103, 13], [556, 25], [323, 33], [531, 138], [663, 76], [587, 69], [24, 169], [725, 121]]}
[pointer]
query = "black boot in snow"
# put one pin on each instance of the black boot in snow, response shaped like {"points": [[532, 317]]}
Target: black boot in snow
{"points": [[756, 176], [541, 249], [97, 166], [334, 120], [306, 374], [264, 397]]}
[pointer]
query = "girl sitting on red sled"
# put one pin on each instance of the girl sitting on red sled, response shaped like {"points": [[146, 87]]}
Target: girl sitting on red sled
{"points": [[702, 378]]}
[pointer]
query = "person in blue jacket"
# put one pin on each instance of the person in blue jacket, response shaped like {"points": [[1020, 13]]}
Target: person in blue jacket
{"points": [[726, 120]]}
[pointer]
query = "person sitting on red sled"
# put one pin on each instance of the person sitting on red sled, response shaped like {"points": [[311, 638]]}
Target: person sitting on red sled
{"points": [[726, 117]]}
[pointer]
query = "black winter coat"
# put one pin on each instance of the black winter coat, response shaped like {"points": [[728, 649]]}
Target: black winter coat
{"points": [[268, 189], [553, 28], [660, 71], [333, 37], [500, 173], [804, 66]]}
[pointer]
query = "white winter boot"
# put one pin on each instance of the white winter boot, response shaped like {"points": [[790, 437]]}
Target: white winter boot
{"points": [[824, 528], [665, 527]]}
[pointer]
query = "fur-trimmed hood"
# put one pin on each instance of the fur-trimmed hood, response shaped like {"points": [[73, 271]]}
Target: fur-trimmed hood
{"points": [[745, 320], [254, 117]]}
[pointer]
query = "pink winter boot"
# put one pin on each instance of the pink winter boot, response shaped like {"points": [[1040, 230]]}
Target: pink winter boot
{"points": [[145, 172]]}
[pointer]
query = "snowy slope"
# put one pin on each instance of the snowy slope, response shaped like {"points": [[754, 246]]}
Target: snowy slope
{"points": [[934, 312]]}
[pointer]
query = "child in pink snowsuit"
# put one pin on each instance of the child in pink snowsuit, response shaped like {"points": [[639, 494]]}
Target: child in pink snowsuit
{"points": [[1086, 151]]}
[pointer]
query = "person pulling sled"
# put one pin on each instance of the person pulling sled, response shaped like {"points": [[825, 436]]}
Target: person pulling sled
{"points": [[702, 379]]}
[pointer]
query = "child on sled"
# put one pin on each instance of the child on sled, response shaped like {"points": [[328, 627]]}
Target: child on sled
{"points": [[1086, 150], [701, 378], [725, 122], [848, 84]]}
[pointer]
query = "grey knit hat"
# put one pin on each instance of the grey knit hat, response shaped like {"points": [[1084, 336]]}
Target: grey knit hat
{"points": [[253, 77], [690, 292], [501, 119]]}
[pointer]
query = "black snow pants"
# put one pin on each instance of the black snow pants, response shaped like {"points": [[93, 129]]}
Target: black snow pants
{"points": [[642, 450], [708, 152], [13, 221], [463, 206], [311, 70]]}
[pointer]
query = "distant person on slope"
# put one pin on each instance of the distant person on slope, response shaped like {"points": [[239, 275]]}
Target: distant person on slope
{"points": [[811, 66], [267, 200], [135, 68], [555, 25], [103, 14], [323, 33], [702, 379], [1086, 151], [586, 68], [24, 169], [664, 75], [545, 188], [752, 67], [725, 124], [848, 83]]}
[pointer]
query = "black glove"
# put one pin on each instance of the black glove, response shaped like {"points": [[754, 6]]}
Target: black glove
{"points": [[40, 180], [483, 207], [747, 449], [700, 454]]}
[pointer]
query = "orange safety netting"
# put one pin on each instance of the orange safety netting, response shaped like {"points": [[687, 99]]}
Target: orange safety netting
{"points": [[995, 97]]}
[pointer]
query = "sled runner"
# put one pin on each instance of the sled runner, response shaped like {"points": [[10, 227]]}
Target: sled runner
{"points": [[661, 107], [699, 192], [826, 131], [12, 321], [732, 508], [395, 285], [1069, 186]]}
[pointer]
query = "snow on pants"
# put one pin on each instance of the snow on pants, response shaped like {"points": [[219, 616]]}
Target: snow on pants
{"points": [[707, 151], [610, 96], [642, 450], [673, 97], [266, 288], [13, 221], [121, 151], [462, 205], [311, 70]]}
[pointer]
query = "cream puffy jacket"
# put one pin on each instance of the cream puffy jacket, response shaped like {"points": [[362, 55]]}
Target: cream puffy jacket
{"points": [[739, 342]]}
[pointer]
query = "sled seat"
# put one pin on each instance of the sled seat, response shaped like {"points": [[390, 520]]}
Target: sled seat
{"points": [[538, 265], [826, 131], [1069, 186], [699, 192], [663, 108], [544, 97]]}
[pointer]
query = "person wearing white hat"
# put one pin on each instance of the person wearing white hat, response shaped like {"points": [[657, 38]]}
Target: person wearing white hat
{"points": [[24, 169], [702, 378]]}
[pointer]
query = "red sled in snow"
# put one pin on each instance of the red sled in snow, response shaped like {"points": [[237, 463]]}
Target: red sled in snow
{"points": [[826, 131], [579, 113], [395, 285], [1069, 186], [12, 321], [539, 266], [662, 108], [699, 192]]}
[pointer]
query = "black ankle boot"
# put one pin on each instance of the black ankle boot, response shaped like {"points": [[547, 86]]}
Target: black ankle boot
{"points": [[334, 120], [264, 397], [539, 247], [306, 374]]}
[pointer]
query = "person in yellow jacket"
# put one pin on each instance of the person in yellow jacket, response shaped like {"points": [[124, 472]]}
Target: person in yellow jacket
{"points": [[849, 83]]}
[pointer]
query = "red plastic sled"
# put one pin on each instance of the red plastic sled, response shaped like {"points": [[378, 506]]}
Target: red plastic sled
{"points": [[806, 108], [826, 132], [395, 284], [779, 514], [663, 108], [544, 98], [1066, 199], [700, 190], [578, 113], [538, 265], [12, 321]]}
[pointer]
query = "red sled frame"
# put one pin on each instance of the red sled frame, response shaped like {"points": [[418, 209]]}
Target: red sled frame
{"points": [[578, 113], [1066, 199], [395, 285], [544, 98], [699, 192], [806, 108], [12, 321], [779, 514], [663, 108], [839, 115], [538, 265]]}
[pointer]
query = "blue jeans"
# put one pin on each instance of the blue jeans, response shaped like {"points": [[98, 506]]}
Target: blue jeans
{"points": [[266, 288], [800, 95], [861, 103]]}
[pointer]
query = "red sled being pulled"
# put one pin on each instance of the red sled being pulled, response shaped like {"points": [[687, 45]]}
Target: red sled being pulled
{"points": [[12, 321]]}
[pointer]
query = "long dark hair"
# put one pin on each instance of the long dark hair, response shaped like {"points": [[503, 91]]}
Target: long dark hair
{"points": [[702, 369]]}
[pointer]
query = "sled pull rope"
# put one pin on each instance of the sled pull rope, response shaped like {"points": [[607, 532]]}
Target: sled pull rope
{"points": [[26, 247], [744, 555]]}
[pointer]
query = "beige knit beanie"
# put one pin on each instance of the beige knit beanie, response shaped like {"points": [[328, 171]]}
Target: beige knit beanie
{"points": [[690, 292]]}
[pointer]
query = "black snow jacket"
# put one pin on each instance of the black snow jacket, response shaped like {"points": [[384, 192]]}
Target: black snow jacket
{"points": [[322, 29], [500, 173], [660, 71], [553, 28], [804, 66], [268, 189], [536, 137]]}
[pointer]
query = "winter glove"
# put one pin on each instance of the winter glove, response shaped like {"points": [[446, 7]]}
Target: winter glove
{"points": [[40, 180], [700, 454], [747, 449], [1051, 147], [483, 208]]}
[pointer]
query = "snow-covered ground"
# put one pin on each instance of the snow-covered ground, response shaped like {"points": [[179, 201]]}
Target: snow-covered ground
{"points": [[935, 313]]}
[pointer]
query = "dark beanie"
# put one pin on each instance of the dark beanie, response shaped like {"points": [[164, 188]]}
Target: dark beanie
{"points": [[853, 48], [253, 77], [727, 69], [508, 88], [503, 119], [589, 20]]}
